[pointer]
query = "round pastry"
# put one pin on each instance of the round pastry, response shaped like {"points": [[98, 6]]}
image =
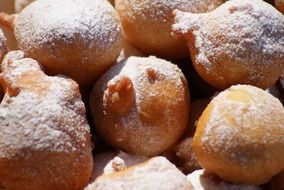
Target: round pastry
{"points": [[156, 173], [141, 105], [80, 39], [240, 42], [280, 5], [239, 136], [147, 24], [44, 138]]}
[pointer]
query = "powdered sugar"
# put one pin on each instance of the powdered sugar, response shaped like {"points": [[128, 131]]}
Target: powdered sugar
{"points": [[46, 20], [160, 10], [141, 71], [46, 114], [157, 173], [248, 33], [235, 123]]}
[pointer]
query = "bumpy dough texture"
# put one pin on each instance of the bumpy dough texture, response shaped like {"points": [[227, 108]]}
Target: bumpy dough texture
{"points": [[44, 136], [147, 24], [157, 173], [240, 135], [141, 105], [280, 5], [240, 42], [79, 39]]}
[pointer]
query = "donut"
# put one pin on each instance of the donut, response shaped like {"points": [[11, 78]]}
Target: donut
{"points": [[80, 39], [147, 24], [239, 136], [240, 42], [44, 137], [202, 180], [280, 5], [156, 173], [141, 105]]}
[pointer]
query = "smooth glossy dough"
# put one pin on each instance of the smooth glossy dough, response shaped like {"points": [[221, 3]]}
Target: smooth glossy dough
{"points": [[80, 39], [240, 42], [147, 24], [239, 136], [141, 105], [44, 137], [280, 5], [156, 173]]}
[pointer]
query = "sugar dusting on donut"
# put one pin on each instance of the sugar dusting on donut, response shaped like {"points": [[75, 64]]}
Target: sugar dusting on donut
{"points": [[254, 31], [69, 19], [46, 114], [227, 129]]}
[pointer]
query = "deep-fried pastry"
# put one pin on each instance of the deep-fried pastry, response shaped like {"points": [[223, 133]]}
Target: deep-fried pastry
{"points": [[80, 39], [44, 137], [240, 42], [141, 105], [239, 136]]}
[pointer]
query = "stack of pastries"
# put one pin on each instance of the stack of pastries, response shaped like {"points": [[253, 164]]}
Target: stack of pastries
{"points": [[130, 94]]}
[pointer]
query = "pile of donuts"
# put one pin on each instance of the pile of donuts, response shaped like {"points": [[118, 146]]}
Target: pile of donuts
{"points": [[131, 94]]}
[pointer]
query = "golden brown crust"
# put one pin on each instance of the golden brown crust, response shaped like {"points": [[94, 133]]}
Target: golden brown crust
{"points": [[240, 136], [141, 105], [44, 137], [147, 24], [280, 5]]}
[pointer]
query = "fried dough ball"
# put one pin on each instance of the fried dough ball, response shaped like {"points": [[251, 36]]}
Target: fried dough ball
{"points": [[239, 136], [44, 137], [156, 173], [141, 105], [147, 24], [80, 39], [240, 42], [280, 5], [202, 180]]}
